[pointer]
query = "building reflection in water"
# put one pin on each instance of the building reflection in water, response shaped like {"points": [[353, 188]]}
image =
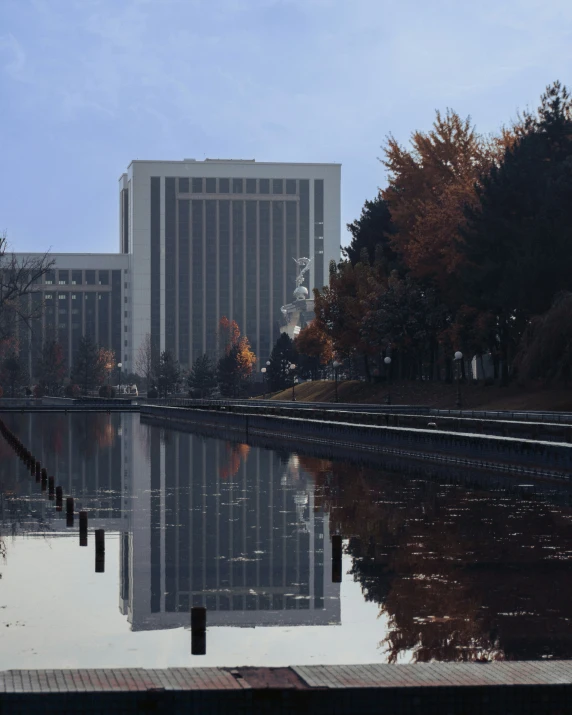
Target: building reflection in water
{"points": [[226, 527], [201, 521]]}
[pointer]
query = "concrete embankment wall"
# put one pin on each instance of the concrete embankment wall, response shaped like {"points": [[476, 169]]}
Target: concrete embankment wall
{"points": [[522, 456]]}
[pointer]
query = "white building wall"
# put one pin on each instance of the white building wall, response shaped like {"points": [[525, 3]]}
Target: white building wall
{"points": [[139, 176]]}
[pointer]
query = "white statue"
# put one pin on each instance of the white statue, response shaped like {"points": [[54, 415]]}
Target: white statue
{"points": [[304, 265]]}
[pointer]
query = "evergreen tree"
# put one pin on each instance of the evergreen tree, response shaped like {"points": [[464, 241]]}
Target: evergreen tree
{"points": [[169, 374], [371, 232], [518, 240], [52, 367], [87, 369], [227, 373], [283, 354], [203, 375]]}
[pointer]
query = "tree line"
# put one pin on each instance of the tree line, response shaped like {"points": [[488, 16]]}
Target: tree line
{"points": [[469, 247], [229, 372]]}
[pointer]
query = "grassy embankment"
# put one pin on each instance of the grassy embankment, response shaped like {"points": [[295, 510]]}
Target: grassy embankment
{"points": [[440, 395]]}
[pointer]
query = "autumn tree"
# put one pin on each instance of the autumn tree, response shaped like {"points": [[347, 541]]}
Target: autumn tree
{"points": [[429, 186], [228, 335], [107, 364], [52, 367], [339, 309], [237, 361], [314, 347]]}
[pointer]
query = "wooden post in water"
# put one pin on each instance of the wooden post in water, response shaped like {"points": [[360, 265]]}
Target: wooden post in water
{"points": [[69, 511], [99, 551], [51, 487], [44, 478], [336, 558], [198, 630], [83, 528], [59, 498]]}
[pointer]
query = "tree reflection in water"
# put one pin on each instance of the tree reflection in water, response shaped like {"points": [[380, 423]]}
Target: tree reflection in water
{"points": [[462, 573]]}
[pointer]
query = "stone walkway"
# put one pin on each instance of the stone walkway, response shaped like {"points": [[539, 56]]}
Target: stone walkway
{"points": [[440, 688]]}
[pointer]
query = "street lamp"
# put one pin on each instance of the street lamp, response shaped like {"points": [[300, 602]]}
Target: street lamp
{"points": [[119, 365], [387, 361], [458, 358], [263, 371], [292, 368], [336, 368]]}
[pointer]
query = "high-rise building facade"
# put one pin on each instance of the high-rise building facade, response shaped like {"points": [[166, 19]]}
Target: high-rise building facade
{"points": [[218, 238]]}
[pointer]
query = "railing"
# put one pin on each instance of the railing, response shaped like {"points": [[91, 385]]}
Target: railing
{"points": [[525, 456], [564, 418]]}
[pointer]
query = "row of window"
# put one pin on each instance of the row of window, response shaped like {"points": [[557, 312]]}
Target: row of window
{"points": [[238, 186], [63, 296], [78, 277]]}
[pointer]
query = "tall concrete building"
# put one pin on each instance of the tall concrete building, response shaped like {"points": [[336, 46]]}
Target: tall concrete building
{"points": [[219, 238], [198, 240]]}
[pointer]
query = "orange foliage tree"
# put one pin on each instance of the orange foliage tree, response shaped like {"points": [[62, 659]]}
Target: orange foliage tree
{"points": [[315, 346], [339, 310], [429, 186], [236, 363]]}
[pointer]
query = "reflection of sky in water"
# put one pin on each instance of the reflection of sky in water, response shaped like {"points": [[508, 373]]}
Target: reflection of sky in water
{"points": [[65, 615], [432, 570]]}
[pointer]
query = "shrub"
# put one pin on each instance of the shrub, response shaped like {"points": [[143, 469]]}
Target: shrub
{"points": [[106, 391], [152, 393], [72, 391], [38, 391]]}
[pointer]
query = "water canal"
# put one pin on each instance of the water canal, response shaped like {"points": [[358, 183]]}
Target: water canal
{"points": [[434, 567]]}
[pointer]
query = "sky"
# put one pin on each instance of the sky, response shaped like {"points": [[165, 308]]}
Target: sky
{"points": [[88, 85]]}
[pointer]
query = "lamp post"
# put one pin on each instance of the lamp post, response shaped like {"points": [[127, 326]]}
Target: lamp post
{"points": [[336, 368], [263, 371], [119, 365], [387, 361], [458, 358], [292, 368]]}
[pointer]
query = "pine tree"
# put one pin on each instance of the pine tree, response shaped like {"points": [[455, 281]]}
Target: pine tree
{"points": [[518, 241], [372, 231], [87, 367], [169, 374], [283, 355], [227, 373], [52, 367], [203, 375]]}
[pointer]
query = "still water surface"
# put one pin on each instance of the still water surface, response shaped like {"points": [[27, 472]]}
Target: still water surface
{"points": [[433, 569]]}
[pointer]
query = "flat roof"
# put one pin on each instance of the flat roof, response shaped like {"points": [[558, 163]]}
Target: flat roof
{"points": [[250, 162]]}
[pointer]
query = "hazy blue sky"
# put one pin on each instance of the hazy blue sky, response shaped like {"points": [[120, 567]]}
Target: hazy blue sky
{"points": [[88, 85]]}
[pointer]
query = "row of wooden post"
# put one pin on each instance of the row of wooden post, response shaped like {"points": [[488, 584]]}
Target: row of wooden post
{"points": [[49, 484]]}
